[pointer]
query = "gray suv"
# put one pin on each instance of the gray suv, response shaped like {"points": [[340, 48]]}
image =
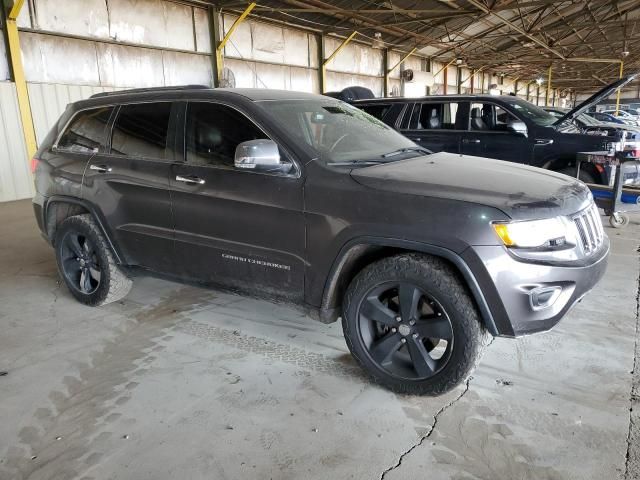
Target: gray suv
{"points": [[305, 199]]}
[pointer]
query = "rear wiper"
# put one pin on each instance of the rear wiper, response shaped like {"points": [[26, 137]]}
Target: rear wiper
{"points": [[354, 162], [406, 150]]}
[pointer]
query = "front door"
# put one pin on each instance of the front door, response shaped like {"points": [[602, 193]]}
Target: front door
{"points": [[489, 135], [130, 182], [233, 226]]}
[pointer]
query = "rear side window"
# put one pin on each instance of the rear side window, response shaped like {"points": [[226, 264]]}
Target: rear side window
{"points": [[434, 116], [141, 130], [86, 132]]}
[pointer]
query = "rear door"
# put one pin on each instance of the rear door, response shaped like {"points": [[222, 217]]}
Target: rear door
{"points": [[129, 183], [437, 126], [488, 134], [235, 227]]}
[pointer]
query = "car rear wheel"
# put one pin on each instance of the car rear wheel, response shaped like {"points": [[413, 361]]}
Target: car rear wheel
{"points": [[411, 324], [86, 263]]}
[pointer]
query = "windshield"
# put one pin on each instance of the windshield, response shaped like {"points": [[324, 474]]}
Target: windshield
{"points": [[536, 114], [338, 131]]}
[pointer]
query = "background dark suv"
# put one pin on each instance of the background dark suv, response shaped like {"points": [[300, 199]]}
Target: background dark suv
{"points": [[501, 127], [307, 199]]}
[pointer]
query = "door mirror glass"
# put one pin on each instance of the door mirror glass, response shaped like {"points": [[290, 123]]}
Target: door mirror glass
{"points": [[518, 127], [260, 155]]}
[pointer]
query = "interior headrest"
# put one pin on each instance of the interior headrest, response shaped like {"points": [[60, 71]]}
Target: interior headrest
{"points": [[208, 136]]}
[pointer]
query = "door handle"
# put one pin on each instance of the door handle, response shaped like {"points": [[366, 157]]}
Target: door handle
{"points": [[470, 140], [190, 180], [100, 168]]}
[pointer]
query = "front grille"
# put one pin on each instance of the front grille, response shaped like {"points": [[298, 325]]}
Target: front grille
{"points": [[590, 231]]}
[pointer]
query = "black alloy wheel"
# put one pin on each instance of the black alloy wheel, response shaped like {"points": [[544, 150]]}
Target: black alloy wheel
{"points": [[80, 263], [406, 332], [86, 263], [412, 325]]}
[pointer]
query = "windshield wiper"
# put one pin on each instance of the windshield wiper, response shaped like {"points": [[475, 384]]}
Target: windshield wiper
{"points": [[406, 150], [354, 162]]}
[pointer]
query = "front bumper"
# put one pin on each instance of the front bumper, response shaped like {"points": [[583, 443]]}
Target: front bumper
{"points": [[509, 283]]}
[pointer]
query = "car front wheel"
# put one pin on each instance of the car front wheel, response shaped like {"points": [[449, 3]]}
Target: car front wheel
{"points": [[86, 263], [411, 324]]}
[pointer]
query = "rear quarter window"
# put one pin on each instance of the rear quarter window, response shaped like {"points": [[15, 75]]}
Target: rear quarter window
{"points": [[86, 132]]}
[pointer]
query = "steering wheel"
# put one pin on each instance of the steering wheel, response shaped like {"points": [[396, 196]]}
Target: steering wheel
{"points": [[335, 144]]}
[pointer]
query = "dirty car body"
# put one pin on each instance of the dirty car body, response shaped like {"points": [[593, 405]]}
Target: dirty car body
{"points": [[168, 180]]}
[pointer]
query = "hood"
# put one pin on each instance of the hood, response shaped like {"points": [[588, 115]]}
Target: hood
{"points": [[520, 191], [596, 98]]}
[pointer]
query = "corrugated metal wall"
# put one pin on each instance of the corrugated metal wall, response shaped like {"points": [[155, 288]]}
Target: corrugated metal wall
{"points": [[15, 176], [260, 55]]}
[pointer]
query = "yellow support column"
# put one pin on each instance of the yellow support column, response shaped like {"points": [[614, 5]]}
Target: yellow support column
{"points": [[18, 77], [220, 47], [618, 94], [323, 67]]}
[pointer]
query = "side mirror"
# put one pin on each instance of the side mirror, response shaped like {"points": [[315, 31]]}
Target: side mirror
{"points": [[518, 127], [260, 156]]}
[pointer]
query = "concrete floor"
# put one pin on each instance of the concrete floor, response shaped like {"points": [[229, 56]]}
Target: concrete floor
{"points": [[181, 382]]}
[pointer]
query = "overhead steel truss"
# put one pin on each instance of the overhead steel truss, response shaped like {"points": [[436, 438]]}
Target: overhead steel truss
{"points": [[583, 42]]}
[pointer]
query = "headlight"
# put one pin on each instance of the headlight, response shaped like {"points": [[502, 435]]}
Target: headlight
{"points": [[551, 232]]}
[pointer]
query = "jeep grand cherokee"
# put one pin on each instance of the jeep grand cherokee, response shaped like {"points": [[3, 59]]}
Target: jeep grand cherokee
{"points": [[305, 198]]}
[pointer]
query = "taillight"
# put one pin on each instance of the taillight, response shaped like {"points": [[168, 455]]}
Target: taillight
{"points": [[34, 164]]}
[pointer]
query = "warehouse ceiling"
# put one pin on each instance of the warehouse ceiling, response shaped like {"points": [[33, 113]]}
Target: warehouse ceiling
{"points": [[583, 41]]}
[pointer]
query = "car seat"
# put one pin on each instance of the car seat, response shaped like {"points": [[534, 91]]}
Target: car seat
{"points": [[487, 117], [477, 123], [434, 120]]}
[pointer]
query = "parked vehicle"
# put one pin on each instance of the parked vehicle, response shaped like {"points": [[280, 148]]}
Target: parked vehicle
{"points": [[627, 137], [608, 118], [624, 116], [309, 200], [500, 127]]}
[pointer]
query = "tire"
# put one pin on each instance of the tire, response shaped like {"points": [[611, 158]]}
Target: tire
{"points": [[584, 177], [86, 264], [620, 222], [441, 297]]}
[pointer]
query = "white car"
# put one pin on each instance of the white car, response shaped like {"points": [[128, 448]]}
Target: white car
{"points": [[625, 116]]}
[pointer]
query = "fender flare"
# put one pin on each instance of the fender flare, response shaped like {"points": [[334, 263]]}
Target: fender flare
{"points": [[94, 211], [435, 250]]}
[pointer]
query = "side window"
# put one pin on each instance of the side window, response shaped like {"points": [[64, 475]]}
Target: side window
{"points": [[141, 130], [486, 116], [86, 132], [408, 114], [378, 110], [435, 116], [213, 133]]}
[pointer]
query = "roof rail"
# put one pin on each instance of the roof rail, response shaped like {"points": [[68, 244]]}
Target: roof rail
{"points": [[150, 90]]}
